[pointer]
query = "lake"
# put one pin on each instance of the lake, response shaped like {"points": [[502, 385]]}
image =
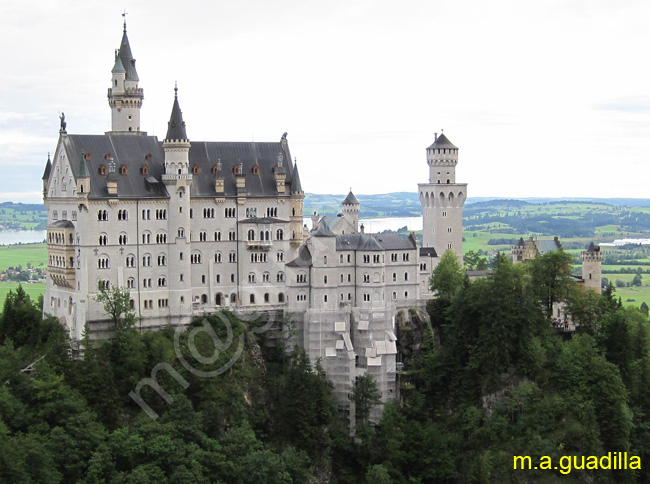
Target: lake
{"points": [[618, 242], [22, 236]]}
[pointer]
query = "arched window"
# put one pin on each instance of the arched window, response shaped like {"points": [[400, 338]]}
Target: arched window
{"points": [[279, 234], [252, 298], [123, 170]]}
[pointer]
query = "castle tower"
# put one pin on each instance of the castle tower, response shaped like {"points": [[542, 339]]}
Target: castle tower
{"points": [[442, 199], [178, 181], [124, 95], [350, 208], [592, 259]]}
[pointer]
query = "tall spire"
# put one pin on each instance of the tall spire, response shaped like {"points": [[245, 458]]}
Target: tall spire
{"points": [[296, 186], [176, 125], [124, 95]]}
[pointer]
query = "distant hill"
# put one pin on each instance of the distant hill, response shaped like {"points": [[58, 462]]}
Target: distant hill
{"points": [[407, 204]]}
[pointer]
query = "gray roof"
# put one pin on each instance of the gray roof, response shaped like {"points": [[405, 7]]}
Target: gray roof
{"points": [[126, 57], [62, 224], [83, 169], [176, 125], [48, 168], [545, 246], [593, 248], [296, 186], [263, 220], [303, 259], [135, 152], [428, 251], [118, 67], [350, 199], [328, 224], [374, 242], [442, 142]]}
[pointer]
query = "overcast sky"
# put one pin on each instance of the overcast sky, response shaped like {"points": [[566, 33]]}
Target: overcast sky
{"points": [[546, 98]]}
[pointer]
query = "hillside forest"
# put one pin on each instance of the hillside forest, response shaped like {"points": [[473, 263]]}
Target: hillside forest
{"points": [[485, 377]]}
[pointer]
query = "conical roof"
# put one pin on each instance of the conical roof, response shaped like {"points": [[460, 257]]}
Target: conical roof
{"points": [[176, 125], [443, 142], [83, 169], [350, 199], [48, 168], [118, 67], [296, 186], [126, 58], [593, 248]]}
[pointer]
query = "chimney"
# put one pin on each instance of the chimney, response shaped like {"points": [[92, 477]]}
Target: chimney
{"points": [[314, 221]]}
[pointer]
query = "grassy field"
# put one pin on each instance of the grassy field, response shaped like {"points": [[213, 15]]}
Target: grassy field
{"points": [[15, 255], [33, 290]]}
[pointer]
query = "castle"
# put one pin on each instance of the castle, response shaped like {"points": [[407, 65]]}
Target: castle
{"points": [[192, 227]]}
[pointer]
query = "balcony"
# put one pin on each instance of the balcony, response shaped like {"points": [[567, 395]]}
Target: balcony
{"points": [[259, 244], [62, 276]]}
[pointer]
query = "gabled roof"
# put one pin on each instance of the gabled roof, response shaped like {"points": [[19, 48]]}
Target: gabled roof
{"points": [[126, 58], [442, 142], [48, 168], [350, 199], [176, 125]]}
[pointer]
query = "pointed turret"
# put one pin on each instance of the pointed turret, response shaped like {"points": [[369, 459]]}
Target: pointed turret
{"points": [[46, 175], [124, 95], [176, 145], [176, 125], [126, 58], [83, 177], [48, 168], [296, 186]]}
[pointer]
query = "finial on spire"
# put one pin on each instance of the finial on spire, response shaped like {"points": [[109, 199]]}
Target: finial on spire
{"points": [[176, 89], [124, 17]]}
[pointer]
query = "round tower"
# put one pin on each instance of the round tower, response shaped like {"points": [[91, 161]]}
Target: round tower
{"points": [[350, 208], [124, 95], [592, 260]]}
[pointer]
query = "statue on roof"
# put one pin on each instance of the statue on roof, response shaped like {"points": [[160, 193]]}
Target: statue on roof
{"points": [[63, 123]]}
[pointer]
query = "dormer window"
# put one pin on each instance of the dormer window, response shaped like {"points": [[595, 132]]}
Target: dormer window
{"points": [[145, 170], [195, 169], [256, 170], [236, 170], [123, 170], [87, 156], [107, 156], [102, 170], [214, 169]]}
